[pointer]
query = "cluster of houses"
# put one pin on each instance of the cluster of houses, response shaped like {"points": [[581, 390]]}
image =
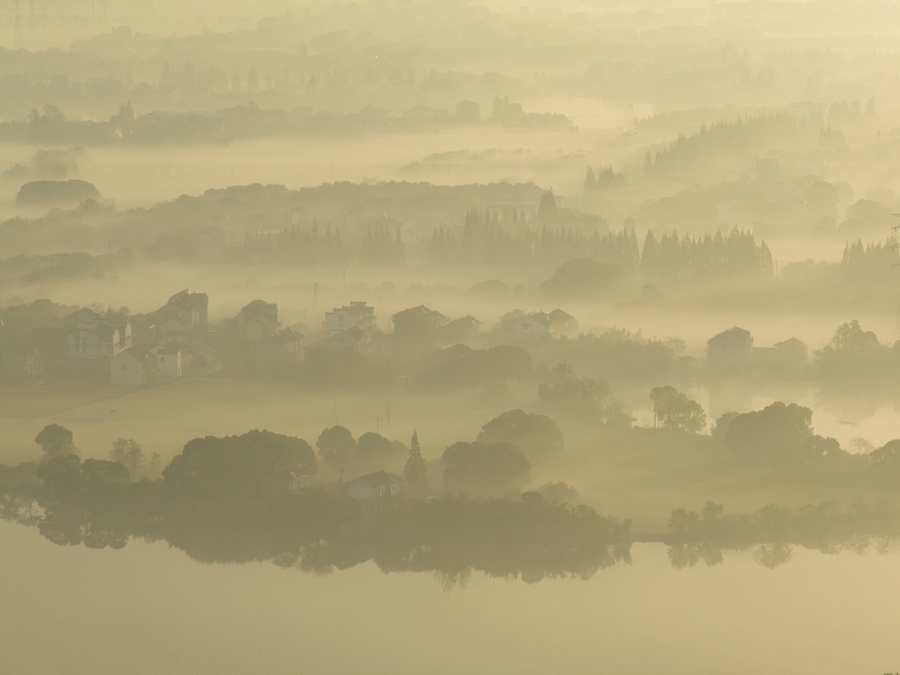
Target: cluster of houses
{"points": [[179, 338]]}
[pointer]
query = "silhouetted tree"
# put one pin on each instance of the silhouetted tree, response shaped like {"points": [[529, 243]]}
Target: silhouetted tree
{"points": [[336, 445], [233, 467], [55, 441], [374, 452], [674, 410], [129, 454], [537, 436], [485, 468], [414, 471], [772, 431]]}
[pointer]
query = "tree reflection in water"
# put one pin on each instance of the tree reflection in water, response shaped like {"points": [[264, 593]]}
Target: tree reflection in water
{"points": [[319, 531], [771, 532]]}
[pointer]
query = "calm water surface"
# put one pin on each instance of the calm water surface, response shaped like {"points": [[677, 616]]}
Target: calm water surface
{"points": [[150, 609]]}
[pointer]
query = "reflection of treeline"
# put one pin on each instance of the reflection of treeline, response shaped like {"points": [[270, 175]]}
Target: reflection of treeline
{"points": [[319, 530], [771, 531]]}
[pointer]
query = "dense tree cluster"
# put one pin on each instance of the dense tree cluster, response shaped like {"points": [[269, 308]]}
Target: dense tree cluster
{"points": [[379, 248], [462, 366], [485, 469], [872, 262], [294, 246], [704, 258], [489, 238], [604, 179], [371, 452], [584, 396], [743, 134], [616, 355], [674, 410], [232, 468], [855, 354], [537, 436]]}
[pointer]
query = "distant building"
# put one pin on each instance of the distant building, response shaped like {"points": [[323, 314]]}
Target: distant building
{"points": [[91, 336], [196, 305], [133, 366], [170, 359], [286, 481], [563, 322], [183, 319], [22, 365], [459, 329], [278, 349], [417, 322], [789, 357], [258, 320], [556, 322], [534, 324], [354, 339], [373, 486], [355, 315], [730, 349]]}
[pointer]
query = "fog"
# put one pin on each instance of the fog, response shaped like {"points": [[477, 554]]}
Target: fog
{"points": [[449, 337]]}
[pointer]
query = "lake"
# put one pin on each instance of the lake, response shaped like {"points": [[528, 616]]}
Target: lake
{"points": [[149, 608]]}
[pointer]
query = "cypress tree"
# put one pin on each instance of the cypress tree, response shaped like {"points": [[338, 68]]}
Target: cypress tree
{"points": [[414, 471]]}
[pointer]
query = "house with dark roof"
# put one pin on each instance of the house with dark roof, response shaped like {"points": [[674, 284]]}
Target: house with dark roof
{"points": [[459, 330], [91, 336], [278, 349], [730, 349], [258, 320], [371, 487], [789, 357], [563, 322], [417, 322]]}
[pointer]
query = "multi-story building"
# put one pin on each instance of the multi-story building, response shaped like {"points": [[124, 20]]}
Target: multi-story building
{"points": [[355, 315], [91, 336]]}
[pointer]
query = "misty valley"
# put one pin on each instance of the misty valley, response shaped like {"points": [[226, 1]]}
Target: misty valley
{"points": [[449, 337]]}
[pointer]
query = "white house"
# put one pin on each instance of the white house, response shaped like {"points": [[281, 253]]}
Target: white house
{"points": [[133, 366], [373, 486]]}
